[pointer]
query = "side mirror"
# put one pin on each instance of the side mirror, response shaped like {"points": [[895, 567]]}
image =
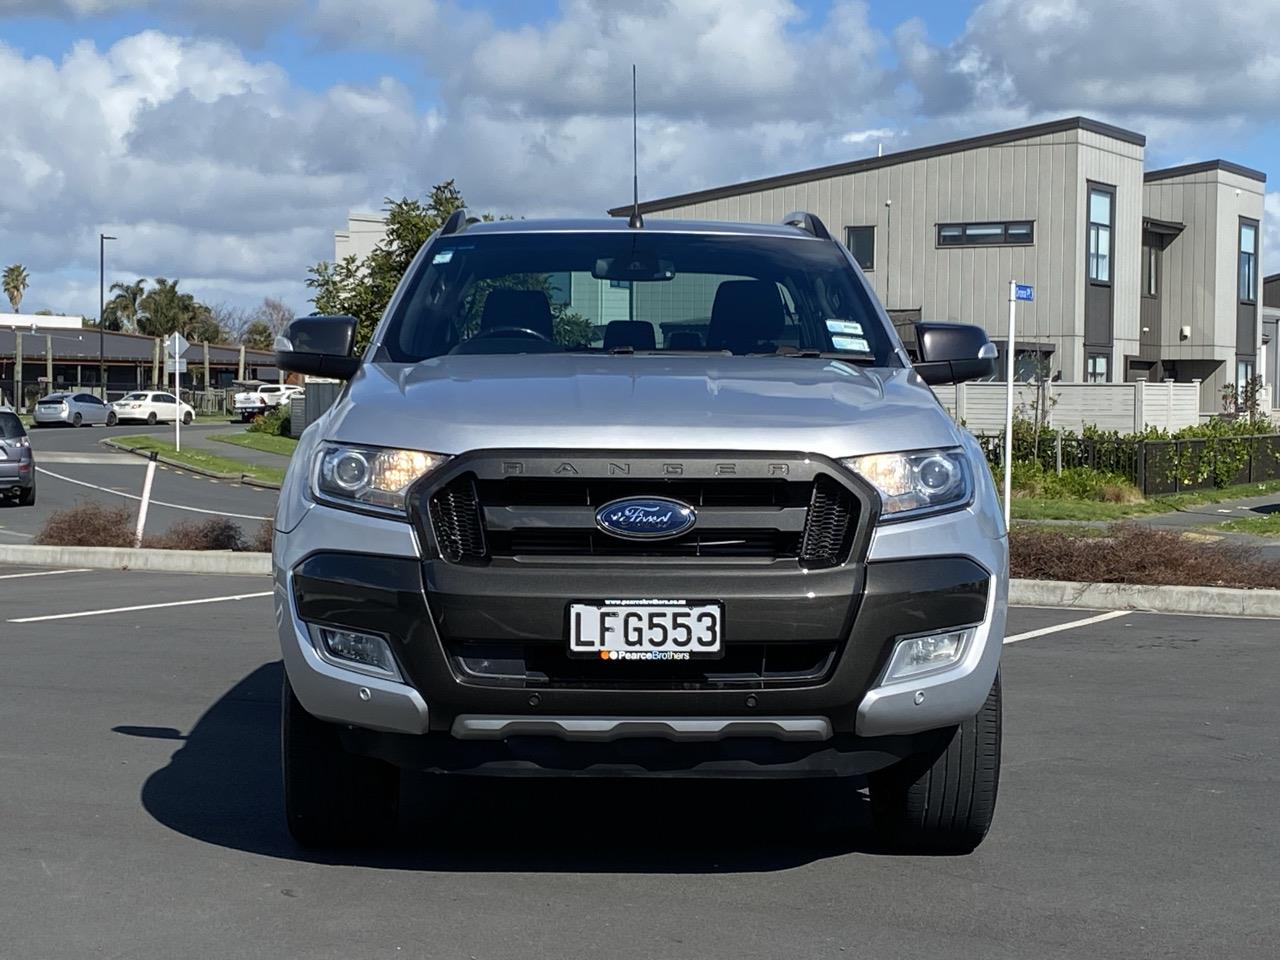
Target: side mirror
{"points": [[953, 353], [319, 346]]}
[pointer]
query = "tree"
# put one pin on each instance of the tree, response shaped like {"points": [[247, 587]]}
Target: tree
{"points": [[362, 288], [165, 309], [15, 282], [276, 314], [258, 335], [121, 311]]}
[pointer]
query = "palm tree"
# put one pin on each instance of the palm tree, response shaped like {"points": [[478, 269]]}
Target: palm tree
{"points": [[126, 304], [15, 284]]}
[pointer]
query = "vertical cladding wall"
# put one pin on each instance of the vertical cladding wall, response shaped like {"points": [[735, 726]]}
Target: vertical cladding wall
{"points": [[1039, 178], [1200, 281], [1188, 285], [1118, 164]]}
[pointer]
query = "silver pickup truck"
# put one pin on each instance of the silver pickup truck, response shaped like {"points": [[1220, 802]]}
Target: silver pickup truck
{"points": [[666, 499]]}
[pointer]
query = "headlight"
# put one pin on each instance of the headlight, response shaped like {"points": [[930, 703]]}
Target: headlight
{"points": [[373, 478], [918, 483]]}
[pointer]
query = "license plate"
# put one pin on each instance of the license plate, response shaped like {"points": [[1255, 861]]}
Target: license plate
{"points": [[645, 630]]}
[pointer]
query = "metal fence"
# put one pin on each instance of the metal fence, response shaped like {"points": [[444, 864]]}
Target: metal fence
{"points": [[1154, 466]]}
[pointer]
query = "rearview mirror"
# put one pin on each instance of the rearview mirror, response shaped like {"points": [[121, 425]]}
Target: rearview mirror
{"points": [[319, 346], [953, 353], [636, 266]]}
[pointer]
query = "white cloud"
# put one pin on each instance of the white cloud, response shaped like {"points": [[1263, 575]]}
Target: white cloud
{"points": [[203, 163]]}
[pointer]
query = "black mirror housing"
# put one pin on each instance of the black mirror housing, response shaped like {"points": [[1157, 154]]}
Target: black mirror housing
{"points": [[953, 353], [320, 346]]}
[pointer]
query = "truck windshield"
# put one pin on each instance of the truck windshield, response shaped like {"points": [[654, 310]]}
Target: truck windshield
{"points": [[635, 292]]}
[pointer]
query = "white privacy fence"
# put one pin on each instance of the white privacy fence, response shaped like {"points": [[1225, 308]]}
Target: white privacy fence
{"points": [[1125, 407]]}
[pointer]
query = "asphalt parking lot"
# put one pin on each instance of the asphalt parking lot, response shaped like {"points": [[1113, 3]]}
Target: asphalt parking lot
{"points": [[73, 466], [142, 814]]}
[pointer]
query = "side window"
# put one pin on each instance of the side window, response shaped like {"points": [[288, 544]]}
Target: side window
{"points": [[1100, 204], [164, 398], [1248, 261], [861, 242]]}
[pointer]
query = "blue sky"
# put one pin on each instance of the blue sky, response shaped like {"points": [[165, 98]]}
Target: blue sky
{"points": [[225, 140]]}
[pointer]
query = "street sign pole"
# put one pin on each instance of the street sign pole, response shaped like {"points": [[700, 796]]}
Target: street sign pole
{"points": [[1017, 291], [1008, 403], [177, 408]]}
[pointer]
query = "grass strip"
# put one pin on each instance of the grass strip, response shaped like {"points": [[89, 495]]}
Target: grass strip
{"points": [[202, 459], [265, 442], [1265, 525], [1035, 508]]}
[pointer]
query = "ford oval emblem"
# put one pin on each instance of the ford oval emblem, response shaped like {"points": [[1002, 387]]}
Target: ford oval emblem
{"points": [[645, 518]]}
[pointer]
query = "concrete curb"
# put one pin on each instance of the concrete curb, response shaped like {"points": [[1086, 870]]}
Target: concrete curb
{"points": [[127, 558], [179, 465], [1213, 601]]}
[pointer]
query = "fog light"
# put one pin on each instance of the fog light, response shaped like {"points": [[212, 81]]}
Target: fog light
{"points": [[366, 652], [916, 655]]}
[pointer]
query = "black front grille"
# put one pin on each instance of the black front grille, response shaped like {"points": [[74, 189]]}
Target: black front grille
{"points": [[537, 541], [829, 526], [455, 517], [743, 666], [806, 516]]}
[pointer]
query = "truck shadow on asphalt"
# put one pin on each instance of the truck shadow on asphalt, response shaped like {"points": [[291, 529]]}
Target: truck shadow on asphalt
{"points": [[222, 786]]}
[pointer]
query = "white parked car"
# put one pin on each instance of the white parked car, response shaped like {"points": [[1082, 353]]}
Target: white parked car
{"points": [[152, 406], [258, 400]]}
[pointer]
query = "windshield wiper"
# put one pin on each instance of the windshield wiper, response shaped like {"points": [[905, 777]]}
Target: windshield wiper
{"points": [[809, 354]]}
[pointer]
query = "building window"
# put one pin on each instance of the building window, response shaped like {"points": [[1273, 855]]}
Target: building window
{"points": [[998, 233], [1248, 261], [620, 284], [861, 242], [1097, 368], [1153, 272], [1244, 373], [1100, 204]]}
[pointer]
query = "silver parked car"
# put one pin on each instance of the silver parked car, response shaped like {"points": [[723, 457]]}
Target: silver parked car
{"points": [[733, 534], [17, 465], [77, 409]]}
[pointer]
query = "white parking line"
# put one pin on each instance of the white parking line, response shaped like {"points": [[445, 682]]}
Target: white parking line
{"points": [[145, 606], [154, 502], [43, 573], [1070, 625]]}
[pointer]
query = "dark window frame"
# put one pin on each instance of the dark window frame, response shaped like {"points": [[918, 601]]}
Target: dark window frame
{"points": [[1151, 272], [1110, 190], [995, 240], [848, 242], [1102, 355], [1256, 227]]}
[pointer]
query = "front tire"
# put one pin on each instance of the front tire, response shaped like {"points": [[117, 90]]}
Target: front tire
{"points": [[331, 797], [111, 419], [186, 419], [944, 801]]}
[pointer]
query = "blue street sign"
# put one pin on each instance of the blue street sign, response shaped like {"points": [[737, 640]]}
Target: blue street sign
{"points": [[1024, 291]]}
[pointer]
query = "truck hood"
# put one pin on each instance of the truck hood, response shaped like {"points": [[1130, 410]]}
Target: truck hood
{"points": [[646, 402]]}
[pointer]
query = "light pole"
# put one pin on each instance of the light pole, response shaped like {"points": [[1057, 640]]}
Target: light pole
{"points": [[102, 308]]}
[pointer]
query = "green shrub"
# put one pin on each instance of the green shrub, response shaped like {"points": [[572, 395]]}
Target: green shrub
{"points": [[1030, 479], [274, 422]]}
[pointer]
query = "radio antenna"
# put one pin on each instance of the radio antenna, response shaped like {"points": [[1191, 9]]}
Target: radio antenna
{"points": [[635, 222]]}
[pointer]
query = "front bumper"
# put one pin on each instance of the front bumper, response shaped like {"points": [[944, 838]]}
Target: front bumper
{"points": [[339, 568]]}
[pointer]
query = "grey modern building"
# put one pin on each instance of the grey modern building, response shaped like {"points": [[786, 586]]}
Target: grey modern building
{"points": [[1149, 274]]}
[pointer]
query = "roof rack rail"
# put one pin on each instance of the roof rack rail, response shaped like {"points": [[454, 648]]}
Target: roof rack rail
{"points": [[456, 223], [807, 222]]}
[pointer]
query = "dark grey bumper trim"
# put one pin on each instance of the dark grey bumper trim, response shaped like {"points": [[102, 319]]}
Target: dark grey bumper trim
{"points": [[684, 729]]}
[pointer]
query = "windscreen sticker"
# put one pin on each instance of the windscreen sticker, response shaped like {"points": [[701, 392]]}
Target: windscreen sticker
{"points": [[858, 344], [444, 256], [844, 326]]}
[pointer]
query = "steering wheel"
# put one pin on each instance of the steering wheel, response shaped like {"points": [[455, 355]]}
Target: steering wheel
{"points": [[521, 331]]}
